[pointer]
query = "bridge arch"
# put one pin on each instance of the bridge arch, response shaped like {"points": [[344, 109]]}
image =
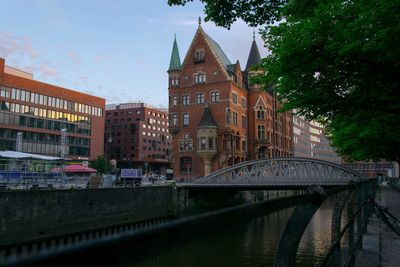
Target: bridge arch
{"points": [[282, 172]]}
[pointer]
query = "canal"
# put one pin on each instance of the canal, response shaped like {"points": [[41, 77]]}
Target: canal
{"points": [[253, 243]]}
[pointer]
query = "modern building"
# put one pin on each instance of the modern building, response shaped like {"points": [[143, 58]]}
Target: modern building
{"points": [[137, 136], [40, 118], [375, 169], [217, 117], [309, 141]]}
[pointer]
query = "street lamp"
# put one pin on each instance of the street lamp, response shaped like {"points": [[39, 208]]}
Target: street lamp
{"points": [[109, 140], [64, 141]]}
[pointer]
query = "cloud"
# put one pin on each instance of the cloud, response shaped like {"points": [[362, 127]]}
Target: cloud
{"points": [[75, 58], [101, 58], [14, 44], [48, 71]]}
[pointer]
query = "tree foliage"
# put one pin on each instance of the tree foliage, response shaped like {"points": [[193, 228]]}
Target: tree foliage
{"points": [[335, 61], [99, 164]]}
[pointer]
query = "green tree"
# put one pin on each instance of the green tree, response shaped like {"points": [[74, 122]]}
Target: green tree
{"points": [[334, 61], [99, 164]]}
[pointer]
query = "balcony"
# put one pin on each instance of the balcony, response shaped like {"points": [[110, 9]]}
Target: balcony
{"points": [[263, 141]]}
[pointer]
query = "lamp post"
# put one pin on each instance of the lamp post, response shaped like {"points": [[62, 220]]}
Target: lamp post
{"points": [[109, 140], [63, 148], [18, 146]]}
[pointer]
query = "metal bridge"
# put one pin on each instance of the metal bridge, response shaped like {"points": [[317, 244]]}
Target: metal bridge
{"points": [[287, 172]]}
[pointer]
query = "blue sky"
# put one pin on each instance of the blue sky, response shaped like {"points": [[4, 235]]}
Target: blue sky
{"points": [[118, 50]]}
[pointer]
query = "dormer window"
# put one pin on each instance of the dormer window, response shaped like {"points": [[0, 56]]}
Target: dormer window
{"points": [[260, 113], [199, 56]]}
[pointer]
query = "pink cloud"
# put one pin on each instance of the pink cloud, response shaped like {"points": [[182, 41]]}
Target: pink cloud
{"points": [[48, 71], [101, 58], [74, 57], [11, 44]]}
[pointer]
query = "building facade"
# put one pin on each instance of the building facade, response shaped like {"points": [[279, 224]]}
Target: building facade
{"points": [[217, 117], [137, 136], [40, 116], [309, 141]]}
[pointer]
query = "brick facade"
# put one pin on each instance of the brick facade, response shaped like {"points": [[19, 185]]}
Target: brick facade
{"points": [[139, 137], [207, 78]]}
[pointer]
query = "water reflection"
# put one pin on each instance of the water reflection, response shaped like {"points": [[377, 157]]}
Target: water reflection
{"points": [[250, 244]]}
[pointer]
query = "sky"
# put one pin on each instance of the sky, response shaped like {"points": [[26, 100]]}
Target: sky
{"points": [[118, 50]]}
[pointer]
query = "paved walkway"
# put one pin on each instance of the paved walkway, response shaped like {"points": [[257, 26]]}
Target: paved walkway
{"points": [[381, 246]]}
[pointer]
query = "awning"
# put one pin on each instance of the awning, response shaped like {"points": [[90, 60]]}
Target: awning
{"points": [[21, 155], [74, 169]]}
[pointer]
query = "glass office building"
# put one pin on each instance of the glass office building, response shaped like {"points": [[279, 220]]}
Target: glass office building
{"points": [[41, 112]]}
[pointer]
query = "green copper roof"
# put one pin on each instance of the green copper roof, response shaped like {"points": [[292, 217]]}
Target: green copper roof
{"points": [[175, 62]]}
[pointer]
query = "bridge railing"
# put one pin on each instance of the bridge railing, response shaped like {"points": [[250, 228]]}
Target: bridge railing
{"points": [[354, 200], [283, 171]]}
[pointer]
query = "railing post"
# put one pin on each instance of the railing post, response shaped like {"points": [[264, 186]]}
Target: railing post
{"points": [[341, 199], [350, 229], [360, 217], [297, 224]]}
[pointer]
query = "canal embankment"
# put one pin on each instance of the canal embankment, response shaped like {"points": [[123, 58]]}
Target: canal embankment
{"points": [[29, 215]]}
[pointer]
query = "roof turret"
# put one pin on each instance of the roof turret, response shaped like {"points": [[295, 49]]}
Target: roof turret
{"points": [[207, 120], [254, 55], [175, 62]]}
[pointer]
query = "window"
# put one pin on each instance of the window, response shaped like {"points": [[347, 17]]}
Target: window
{"points": [[228, 116], [199, 78], [234, 98], [235, 118], [185, 119], [215, 97], [185, 144], [243, 102], [203, 143], [174, 100], [199, 56], [186, 165], [260, 113], [175, 81], [175, 119], [261, 131], [199, 98], [244, 121], [185, 100]]}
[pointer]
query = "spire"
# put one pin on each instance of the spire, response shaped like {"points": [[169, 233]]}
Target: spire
{"points": [[175, 62], [254, 55], [207, 120], [199, 21]]}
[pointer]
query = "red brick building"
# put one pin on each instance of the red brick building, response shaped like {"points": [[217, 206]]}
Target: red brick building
{"points": [[218, 118], [41, 111], [137, 136]]}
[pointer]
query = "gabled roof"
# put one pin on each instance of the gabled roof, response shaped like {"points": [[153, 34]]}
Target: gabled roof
{"points": [[218, 51], [175, 62], [207, 120], [254, 56]]}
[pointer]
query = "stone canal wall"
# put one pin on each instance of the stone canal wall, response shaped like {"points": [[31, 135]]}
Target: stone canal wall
{"points": [[40, 214]]}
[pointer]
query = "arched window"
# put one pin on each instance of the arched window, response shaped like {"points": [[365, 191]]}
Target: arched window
{"points": [[185, 165]]}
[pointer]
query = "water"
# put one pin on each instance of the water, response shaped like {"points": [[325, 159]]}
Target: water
{"points": [[253, 243]]}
